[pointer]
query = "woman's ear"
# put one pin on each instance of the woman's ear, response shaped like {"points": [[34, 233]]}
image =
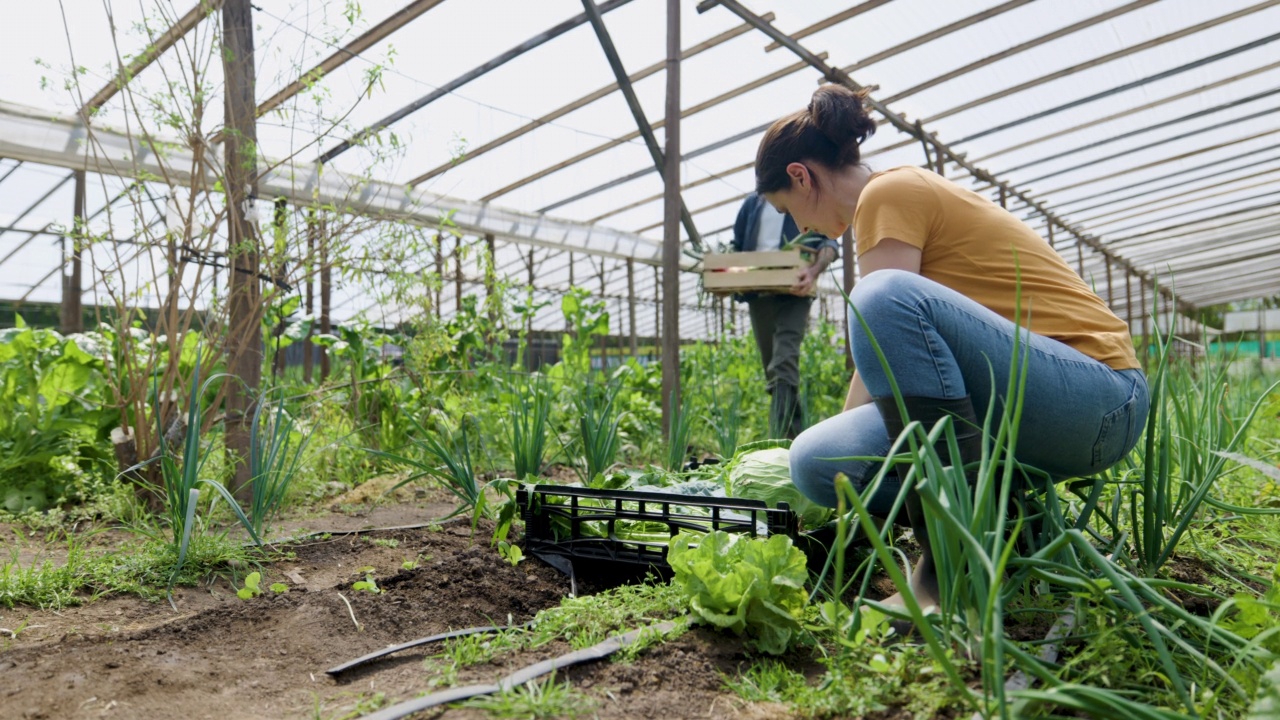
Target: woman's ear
{"points": [[800, 177]]}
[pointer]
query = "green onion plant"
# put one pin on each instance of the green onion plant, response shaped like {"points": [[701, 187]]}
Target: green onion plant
{"points": [[598, 420], [529, 409], [680, 431]]}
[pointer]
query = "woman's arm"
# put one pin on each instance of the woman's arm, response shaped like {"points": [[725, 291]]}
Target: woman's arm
{"points": [[858, 394]]}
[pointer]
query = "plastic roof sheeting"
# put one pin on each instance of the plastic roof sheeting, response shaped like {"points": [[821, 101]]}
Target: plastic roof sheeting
{"points": [[1147, 125]]}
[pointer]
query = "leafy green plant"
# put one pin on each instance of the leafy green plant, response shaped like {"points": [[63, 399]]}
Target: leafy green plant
{"points": [[52, 444], [747, 585], [368, 584], [511, 553], [279, 588], [250, 589]]}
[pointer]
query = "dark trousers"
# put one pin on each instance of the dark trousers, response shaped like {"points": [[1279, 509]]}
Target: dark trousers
{"points": [[779, 323]]}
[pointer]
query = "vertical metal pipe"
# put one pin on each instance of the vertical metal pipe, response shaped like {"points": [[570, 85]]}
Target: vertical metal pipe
{"points": [[72, 319], [244, 338], [1146, 328], [671, 224], [308, 362], [457, 274], [439, 277], [1111, 303], [326, 293], [657, 312], [1128, 300], [631, 305]]}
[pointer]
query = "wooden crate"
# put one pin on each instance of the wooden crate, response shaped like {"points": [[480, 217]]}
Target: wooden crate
{"points": [[769, 271]]}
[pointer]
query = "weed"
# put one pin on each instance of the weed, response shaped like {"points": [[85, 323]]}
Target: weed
{"points": [[535, 699]]}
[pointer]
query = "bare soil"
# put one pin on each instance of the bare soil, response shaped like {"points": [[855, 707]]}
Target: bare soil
{"points": [[222, 657]]}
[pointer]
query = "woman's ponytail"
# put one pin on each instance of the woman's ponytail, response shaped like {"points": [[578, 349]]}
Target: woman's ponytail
{"points": [[830, 132]]}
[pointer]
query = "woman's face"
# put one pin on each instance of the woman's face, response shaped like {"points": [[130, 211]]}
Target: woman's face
{"points": [[812, 209]]}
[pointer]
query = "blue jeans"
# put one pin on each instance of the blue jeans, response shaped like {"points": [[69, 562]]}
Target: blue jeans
{"points": [[1079, 416]]}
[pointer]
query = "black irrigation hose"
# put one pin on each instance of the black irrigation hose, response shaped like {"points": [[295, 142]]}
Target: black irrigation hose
{"points": [[339, 669], [519, 677]]}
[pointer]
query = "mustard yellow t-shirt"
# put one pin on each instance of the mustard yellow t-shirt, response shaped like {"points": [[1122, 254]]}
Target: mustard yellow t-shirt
{"points": [[974, 246]]}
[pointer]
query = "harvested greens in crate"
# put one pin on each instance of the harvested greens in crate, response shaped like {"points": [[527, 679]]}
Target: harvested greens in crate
{"points": [[634, 527]]}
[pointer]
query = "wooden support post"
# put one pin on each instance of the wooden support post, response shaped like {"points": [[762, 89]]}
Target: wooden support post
{"points": [[244, 338], [1080, 259], [631, 306], [672, 206], [1004, 200], [72, 320], [308, 361], [326, 294]]}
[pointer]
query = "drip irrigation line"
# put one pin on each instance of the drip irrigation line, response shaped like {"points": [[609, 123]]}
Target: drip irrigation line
{"points": [[344, 667], [519, 677]]}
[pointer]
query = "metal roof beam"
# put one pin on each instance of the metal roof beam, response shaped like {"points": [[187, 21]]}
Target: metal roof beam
{"points": [[35, 136], [931, 35], [637, 113], [823, 24], [1197, 193], [169, 38], [684, 113], [1113, 200], [1174, 216], [1161, 161], [578, 104], [1018, 49], [916, 131], [348, 52], [465, 78], [1156, 77], [1109, 57], [1139, 148], [642, 173]]}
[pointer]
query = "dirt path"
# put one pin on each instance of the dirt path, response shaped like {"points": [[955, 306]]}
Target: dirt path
{"points": [[221, 657]]}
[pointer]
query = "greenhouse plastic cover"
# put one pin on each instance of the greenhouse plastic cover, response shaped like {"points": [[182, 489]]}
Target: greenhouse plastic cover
{"points": [[1149, 127]]}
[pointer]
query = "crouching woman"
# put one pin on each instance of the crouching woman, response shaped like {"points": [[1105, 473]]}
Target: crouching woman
{"points": [[942, 269]]}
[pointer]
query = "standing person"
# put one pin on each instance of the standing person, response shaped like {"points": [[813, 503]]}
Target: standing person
{"points": [[942, 270], [779, 320]]}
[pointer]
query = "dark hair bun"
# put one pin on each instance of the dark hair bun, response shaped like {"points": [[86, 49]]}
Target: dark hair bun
{"points": [[840, 114]]}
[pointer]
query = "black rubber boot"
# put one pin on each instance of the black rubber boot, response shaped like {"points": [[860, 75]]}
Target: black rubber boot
{"points": [[968, 432]]}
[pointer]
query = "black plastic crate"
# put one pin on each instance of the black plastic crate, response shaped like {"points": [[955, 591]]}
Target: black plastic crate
{"points": [[587, 529]]}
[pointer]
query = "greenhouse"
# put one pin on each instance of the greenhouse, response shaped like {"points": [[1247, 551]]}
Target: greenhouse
{"points": [[640, 358]]}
